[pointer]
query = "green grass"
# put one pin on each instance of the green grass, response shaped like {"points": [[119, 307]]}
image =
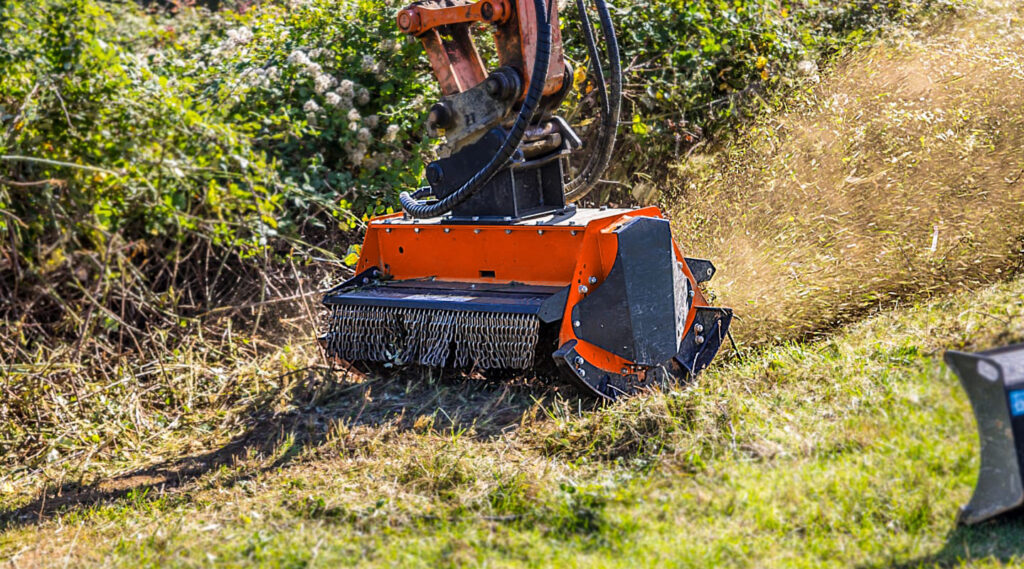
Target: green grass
{"points": [[855, 451]]}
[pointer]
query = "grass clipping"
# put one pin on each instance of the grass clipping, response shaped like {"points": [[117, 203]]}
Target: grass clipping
{"points": [[902, 175]]}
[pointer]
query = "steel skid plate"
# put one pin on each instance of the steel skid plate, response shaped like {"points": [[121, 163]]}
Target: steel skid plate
{"points": [[610, 284]]}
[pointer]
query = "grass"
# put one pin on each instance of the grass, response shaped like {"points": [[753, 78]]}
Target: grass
{"points": [[855, 450], [852, 448]]}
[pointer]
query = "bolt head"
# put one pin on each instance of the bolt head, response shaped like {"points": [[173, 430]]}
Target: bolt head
{"points": [[698, 328], [487, 11], [582, 372], [576, 324], [593, 280], [584, 289], [699, 340], [404, 20], [578, 361]]}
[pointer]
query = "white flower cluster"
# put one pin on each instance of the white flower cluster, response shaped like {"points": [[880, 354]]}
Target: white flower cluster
{"points": [[239, 36], [323, 82], [371, 65], [299, 58], [347, 88], [258, 77], [340, 98]]}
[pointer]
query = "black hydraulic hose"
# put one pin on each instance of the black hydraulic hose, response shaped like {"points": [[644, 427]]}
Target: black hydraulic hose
{"points": [[504, 154], [582, 185], [595, 55]]}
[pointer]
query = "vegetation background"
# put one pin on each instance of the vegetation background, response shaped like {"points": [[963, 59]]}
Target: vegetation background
{"points": [[178, 181]]}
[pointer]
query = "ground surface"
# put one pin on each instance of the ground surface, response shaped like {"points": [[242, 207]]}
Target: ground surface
{"points": [[838, 440]]}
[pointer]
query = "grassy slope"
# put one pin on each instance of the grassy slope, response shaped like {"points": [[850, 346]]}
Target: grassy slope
{"points": [[854, 450]]}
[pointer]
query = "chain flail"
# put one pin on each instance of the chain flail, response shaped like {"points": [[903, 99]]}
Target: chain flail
{"points": [[436, 338]]}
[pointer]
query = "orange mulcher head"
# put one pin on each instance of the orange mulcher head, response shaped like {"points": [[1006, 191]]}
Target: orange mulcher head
{"points": [[491, 266]]}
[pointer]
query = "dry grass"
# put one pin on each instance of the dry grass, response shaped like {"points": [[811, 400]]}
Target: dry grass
{"points": [[900, 175]]}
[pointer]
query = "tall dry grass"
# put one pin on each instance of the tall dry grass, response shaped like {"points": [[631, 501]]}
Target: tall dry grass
{"points": [[901, 174]]}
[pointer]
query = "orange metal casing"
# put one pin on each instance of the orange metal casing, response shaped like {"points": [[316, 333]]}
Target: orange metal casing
{"points": [[548, 255], [457, 63]]}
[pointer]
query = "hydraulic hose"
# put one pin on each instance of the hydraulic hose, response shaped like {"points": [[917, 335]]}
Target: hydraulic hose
{"points": [[515, 135], [611, 103]]}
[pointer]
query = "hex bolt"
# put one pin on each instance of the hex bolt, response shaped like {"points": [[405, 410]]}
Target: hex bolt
{"points": [[540, 232], [593, 280], [699, 340], [476, 232], [692, 294], [582, 372], [698, 328], [447, 229], [508, 232], [576, 324], [418, 229], [579, 361], [623, 371], [388, 230], [584, 289]]}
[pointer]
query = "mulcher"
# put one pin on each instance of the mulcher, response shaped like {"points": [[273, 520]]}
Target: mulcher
{"points": [[492, 266]]}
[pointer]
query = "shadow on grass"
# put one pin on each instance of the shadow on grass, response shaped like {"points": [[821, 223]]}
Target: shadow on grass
{"points": [[482, 408], [997, 541]]}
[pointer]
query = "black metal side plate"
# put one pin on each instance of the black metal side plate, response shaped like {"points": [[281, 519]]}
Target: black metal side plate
{"points": [[639, 311], [704, 338]]}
